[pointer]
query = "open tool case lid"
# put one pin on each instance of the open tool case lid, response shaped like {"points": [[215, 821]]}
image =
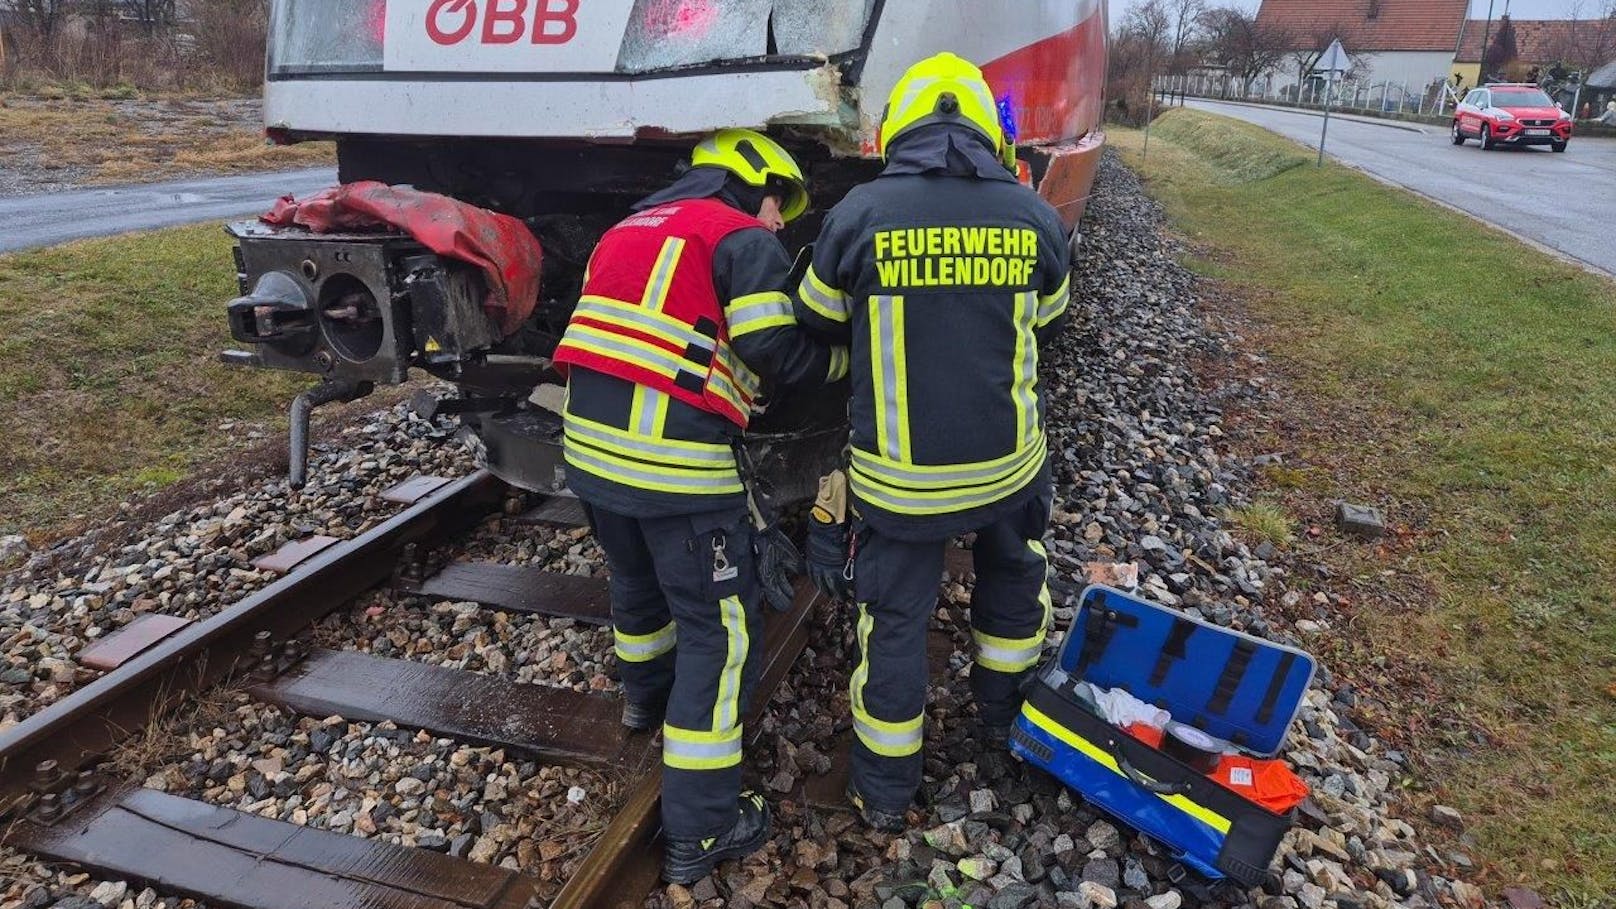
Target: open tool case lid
{"points": [[1226, 683]]}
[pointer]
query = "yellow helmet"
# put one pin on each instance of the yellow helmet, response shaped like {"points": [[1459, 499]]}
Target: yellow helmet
{"points": [[943, 89], [756, 159]]}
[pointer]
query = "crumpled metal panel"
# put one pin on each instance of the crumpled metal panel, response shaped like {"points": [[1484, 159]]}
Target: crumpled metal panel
{"points": [[663, 34], [821, 27]]}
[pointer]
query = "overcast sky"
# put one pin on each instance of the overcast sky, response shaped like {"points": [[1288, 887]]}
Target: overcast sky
{"points": [[1520, 9]]}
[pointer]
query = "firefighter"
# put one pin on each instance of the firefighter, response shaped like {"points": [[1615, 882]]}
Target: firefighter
{"points": [[683, 316], [945, 275]]}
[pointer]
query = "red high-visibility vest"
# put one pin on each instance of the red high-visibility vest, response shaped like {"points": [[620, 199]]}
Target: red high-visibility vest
{"points": [[650, 314]]}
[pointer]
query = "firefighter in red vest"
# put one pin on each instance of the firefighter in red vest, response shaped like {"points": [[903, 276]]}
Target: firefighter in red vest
{"points": [[683, 316]]}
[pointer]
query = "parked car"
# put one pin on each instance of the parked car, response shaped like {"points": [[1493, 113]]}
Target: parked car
{"points": [[1511, 114]]}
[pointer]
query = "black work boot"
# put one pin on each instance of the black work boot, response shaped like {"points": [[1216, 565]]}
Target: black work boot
{"points": [[875, 818], [993, 735], [644, 717], [688, 861]]}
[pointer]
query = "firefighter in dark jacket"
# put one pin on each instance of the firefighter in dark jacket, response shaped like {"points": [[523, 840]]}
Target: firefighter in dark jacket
{"points": [[683, 316], [945, 275]]}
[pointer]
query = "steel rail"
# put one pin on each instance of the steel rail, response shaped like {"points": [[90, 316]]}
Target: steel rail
{"points": [[90, 721], [622, 868]]}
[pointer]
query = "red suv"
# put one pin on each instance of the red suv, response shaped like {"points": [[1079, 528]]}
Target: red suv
{"points": [[1511, 114]]}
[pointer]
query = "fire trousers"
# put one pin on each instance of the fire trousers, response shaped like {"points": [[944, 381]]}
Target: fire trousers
{"points": [[896, 586], [687, 626]]}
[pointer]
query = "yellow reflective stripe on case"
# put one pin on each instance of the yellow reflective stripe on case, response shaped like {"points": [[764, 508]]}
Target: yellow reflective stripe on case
{"points": [[691, 749], [656, 289], [642, 648], [823, 299], [1050, 306], [885, 738], [727, 709], [1100, 756], [889, 378], [758, 312]]}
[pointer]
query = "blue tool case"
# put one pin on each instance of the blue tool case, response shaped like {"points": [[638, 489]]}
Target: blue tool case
{"points": [[1235, 687]]}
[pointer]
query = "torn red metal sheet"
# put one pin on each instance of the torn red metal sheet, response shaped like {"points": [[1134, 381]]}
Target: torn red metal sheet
{"points": [[502, 246]]}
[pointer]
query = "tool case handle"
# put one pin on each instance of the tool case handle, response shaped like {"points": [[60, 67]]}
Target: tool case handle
{"points": [[1119, 747]]}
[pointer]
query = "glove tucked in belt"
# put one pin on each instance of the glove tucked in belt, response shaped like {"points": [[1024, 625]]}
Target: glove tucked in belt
{"points": [[827, 539]]}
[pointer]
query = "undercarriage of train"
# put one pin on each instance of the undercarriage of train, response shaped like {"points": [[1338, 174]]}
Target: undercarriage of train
{"points": [[358, 310]]}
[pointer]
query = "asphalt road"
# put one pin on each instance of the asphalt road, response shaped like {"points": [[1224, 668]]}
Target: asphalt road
{"points": [[49, 218], [1566, 203]]}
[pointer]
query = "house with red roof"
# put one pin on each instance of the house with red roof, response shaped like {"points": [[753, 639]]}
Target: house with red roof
{"points": [[1580, 44], [1396, 41]]}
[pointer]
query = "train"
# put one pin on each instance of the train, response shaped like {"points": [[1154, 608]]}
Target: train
{"points": [[563, 113]]}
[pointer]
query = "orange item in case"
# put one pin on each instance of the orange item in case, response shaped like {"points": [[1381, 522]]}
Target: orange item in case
{"points": [[1270, 784], [1146, 733]]}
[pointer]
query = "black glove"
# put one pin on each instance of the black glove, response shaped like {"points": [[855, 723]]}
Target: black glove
{"points": [[778, 562], [827, 556]]}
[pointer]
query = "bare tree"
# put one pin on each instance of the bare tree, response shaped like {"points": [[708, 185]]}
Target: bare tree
{"points": [[1149, 24], [41, 18], [1244, 47], [1186, 27], [153, 15], [1589, 40]]}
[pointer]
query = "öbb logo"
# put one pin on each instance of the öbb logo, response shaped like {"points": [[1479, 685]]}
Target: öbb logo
{"points": [[503, 21]]}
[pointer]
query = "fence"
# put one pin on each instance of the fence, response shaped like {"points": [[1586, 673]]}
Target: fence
{"points": [[1384, 97]]}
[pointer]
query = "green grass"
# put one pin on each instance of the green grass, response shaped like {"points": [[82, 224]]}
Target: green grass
{"points": [[1264, 521], [1491, 397], [108, 372]]}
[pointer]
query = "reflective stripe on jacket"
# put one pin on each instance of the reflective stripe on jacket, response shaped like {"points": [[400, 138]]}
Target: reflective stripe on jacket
{"points": [[650, 314]]}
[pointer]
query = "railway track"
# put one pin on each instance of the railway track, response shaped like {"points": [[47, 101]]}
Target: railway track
{"points": [[56, 805]]}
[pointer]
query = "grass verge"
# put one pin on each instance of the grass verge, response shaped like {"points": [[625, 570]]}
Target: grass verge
{"points": [[109, 377], [121, 140], [1482, 408]]}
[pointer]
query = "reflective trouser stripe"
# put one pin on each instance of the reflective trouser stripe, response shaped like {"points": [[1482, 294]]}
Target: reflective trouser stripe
{"points": [[727, 709], [888, 379], [758, 312], [641, 648], [839, 361], [1024, 390], [1018, 654], [1051, 306], [1102, 757], [691, 749], [656, 290], [822, 299], [887, 739]]}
